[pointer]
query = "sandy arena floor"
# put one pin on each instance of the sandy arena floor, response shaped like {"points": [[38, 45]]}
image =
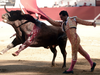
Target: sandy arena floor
{"points": [[37, 61]]}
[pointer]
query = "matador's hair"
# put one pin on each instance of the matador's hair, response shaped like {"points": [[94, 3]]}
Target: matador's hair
{"points": [[64, 13]]}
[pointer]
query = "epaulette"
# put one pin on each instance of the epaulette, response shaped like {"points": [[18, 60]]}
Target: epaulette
{"points": [[73, 17]]}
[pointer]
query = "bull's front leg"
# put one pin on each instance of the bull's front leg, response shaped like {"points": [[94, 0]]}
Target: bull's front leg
{"points": [[14, 43], [7, 48]]}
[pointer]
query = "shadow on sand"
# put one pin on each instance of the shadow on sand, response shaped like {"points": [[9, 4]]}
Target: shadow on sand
{"points": [[39, 67]]}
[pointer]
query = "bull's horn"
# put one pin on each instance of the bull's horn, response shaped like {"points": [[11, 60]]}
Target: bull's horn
{"points": [[21, 9], [37, 16], [5, 9]]}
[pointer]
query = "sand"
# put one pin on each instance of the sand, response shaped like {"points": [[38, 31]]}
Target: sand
{"points": [[37, 60]]}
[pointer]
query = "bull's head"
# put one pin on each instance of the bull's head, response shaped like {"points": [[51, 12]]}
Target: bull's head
{"points": [[11, 15]]}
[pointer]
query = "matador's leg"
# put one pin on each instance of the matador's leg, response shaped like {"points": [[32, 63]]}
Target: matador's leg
{"points": [[86, 55], [75, 41]]}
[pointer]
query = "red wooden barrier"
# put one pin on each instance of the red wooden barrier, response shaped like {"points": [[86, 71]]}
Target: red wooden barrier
{"points": [[86, 13]]}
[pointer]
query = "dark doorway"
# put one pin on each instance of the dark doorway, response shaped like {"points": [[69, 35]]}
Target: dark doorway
{"points": [[97, 2]]}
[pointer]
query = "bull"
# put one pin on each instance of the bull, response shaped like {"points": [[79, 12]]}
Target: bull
{"points": [[48, 36]]}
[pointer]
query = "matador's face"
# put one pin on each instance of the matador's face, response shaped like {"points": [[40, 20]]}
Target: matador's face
{"points": [[63, 17]]}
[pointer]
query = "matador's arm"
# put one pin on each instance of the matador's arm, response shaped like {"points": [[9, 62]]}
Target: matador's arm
{"points": [[83, 22]]}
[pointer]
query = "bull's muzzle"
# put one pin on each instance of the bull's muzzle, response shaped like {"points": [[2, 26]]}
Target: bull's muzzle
{"points": [[4, 18]]}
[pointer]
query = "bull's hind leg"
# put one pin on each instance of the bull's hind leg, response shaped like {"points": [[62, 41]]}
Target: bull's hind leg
{"points": [[14, 43], [53, 49]]}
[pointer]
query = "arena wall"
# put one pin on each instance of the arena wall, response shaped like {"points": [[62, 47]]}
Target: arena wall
{"points": [[86, 13]]}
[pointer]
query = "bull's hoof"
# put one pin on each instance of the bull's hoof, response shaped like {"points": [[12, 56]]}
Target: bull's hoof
{"points": [[53, 65], [64, 66], [15, 54], [1, 53]]}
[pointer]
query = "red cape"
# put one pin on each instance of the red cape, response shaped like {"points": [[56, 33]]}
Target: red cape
{"points": [[32, 8]]}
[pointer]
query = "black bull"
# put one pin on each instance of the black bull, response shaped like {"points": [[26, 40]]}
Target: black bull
{"points": [[48, 36]]}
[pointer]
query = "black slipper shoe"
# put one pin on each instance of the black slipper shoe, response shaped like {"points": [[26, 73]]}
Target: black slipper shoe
{"points": [[92, 69], [67, 72]]}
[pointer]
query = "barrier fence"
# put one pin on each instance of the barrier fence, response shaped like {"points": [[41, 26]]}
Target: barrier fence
{"points": [[86, 13]]}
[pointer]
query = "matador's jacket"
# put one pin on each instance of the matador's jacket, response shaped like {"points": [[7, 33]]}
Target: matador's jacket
{"points": [[71, 22]]}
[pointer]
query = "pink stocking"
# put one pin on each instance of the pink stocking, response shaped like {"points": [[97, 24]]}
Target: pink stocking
{"points": [[72, 65], [89, 60]]}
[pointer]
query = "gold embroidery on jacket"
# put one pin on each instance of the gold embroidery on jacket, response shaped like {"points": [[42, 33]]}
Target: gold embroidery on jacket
{"points": [[70, 23]]}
